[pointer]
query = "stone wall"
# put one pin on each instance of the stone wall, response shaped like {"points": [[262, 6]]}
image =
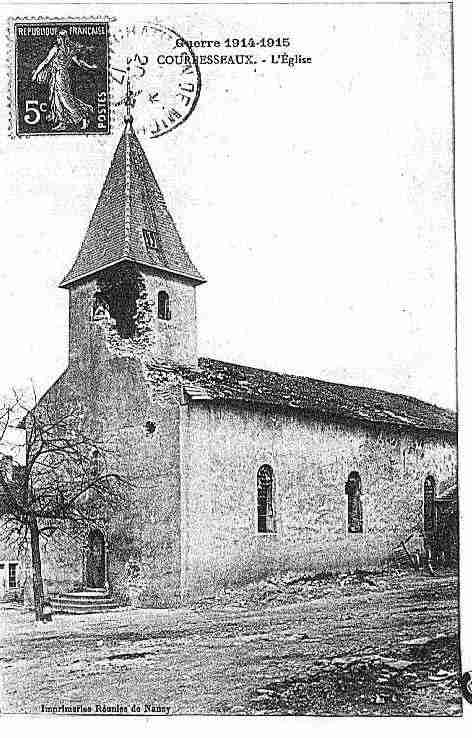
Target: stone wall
{"points": [[225, 445], [91, 339], [146, 532], [106, 374], [189, 523], [175, 340], [142, 434], [61, 566]]}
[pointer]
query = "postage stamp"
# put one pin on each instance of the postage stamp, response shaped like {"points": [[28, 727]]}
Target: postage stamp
{"points": [[60, 77]]}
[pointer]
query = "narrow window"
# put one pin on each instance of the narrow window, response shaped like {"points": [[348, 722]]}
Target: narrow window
{"points": [[354, 503], [151, 240], [429, 506], [94, 464], [12, 582], [265, 500], [163, 309], [60, 501]]}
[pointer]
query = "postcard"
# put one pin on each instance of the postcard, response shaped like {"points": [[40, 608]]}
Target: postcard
{"points": [[228, 420]]}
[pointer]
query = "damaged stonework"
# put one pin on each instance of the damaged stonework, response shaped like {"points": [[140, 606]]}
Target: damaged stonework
{"points": [[128, 310], [125, 305], [165, 385], [193, 436], [237, 472]]}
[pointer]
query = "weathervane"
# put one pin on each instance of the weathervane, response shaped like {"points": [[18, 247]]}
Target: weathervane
{"points": [[130, 98], [165, 93]]}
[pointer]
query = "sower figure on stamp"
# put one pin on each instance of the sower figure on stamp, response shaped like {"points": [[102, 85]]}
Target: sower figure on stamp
{"points": [[65, 109]]}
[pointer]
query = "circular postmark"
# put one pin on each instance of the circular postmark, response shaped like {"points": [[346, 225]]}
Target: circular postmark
{"points": [[466, 684], [163, 75]]}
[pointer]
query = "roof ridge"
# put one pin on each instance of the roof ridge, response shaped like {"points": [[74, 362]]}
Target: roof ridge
{"points": [[126, 133]]}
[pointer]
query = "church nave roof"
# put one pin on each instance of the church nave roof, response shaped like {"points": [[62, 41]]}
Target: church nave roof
{"points": [[221, 381]]}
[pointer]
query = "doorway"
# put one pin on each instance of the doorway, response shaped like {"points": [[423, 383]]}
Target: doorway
{"points": [[95, 560]]}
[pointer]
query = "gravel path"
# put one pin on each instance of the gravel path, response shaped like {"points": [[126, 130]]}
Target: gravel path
{"points": [[331, 655]]}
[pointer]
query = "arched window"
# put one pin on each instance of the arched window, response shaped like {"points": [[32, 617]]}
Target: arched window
{"points": [[265, 500], [163, 309], [354, 503], [429, 506], [95, 463]]}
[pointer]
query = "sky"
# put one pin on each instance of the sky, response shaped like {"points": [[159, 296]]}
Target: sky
{"points": [[315, 199]]}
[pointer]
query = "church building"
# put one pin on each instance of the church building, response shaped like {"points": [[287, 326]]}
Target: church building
{"points": [[237, 472]]}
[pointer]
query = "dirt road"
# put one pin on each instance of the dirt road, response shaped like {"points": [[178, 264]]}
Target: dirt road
{"points": [[336, 655]]}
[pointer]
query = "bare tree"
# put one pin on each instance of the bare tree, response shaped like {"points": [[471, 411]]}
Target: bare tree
{"points": [[67, 484]]}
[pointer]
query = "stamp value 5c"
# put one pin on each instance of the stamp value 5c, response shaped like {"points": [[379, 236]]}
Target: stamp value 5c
{"points": [[61, 81]]}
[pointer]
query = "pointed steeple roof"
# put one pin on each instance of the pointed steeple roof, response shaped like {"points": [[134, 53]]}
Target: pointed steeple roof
{"points": [[131, 221]]}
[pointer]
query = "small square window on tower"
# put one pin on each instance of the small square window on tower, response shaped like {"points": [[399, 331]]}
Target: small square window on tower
{"points": [[151, 240]]}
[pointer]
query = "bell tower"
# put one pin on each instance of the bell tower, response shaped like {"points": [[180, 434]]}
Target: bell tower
{"points": [[132, 286]]}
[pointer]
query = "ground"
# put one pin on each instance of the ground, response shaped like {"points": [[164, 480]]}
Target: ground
{"points": [[355, 645]]}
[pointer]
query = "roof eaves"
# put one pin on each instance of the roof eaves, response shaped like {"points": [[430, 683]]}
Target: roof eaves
{"points": [[205, 396], [66, 282]]}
